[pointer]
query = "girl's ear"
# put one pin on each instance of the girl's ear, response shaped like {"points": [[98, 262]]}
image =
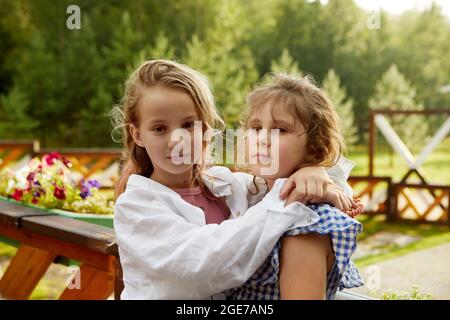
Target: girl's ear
{"points": [[134, 131]]}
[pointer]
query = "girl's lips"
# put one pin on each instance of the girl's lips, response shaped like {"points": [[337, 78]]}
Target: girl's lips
{"points": [[264, 159], [259, 155], [179, 158]]}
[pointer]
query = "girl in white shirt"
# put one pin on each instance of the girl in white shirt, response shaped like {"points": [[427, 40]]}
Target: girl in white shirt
{"points": [[167, 250]]}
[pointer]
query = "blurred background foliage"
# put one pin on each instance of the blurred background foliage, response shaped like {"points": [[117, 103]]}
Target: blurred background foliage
{"points": [[58, 85]]}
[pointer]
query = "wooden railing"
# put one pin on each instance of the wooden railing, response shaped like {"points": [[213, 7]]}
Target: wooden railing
{"points": [[13, 151], [422, 203], [379, 194], [43, 237], [374, 192]]}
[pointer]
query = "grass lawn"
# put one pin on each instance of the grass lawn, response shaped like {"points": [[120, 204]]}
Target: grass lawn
{"points": [[429, 236]]}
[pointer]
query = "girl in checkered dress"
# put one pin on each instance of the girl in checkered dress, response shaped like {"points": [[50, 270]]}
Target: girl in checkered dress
{"points": [[310, 262]]}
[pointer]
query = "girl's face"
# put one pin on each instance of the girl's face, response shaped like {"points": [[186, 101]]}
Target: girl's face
{"points": [[161, 111], [290, 153]]}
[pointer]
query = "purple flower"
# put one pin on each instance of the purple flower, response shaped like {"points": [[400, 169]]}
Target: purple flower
{"points": [[85, 192], [31, 176], [94, 184]]}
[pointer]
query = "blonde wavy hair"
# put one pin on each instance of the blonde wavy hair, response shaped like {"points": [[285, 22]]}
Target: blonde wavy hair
{"points": [[308, 104], [135, 159]]}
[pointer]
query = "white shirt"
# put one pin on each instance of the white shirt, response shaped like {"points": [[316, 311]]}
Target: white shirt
{"points": [[168, 252]]}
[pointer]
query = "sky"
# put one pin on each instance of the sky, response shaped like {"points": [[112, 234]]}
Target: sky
{"points": [[399, 6]]}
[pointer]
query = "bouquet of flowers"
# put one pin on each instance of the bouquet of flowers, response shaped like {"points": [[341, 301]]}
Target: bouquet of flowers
{"points": [[49, 183]]}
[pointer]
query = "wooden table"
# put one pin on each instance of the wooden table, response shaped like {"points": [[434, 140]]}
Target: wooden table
{"points": [[43, 237]]}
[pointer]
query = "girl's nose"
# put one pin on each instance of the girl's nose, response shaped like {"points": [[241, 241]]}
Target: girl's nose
{"points": [[173, 143], [264, 137]]}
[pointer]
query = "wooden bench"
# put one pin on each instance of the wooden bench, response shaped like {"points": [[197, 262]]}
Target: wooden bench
{"points": [[43, 237]]}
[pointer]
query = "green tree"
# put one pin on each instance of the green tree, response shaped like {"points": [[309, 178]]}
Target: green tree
{"points": [[41, 81], [286, 64], [112, 66], [224, 58], [344, 106], [161, 49], [394, 92], [16, 120], [422, 53]]}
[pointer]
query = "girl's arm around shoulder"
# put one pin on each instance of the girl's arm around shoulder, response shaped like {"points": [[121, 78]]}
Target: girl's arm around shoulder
{"points": [[340, 173], [252, 188], [199, 261]]}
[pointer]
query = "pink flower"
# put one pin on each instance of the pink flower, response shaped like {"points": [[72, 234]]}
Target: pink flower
{"points": [[31, 176], [67, 162], [51, 157], [59, 193], [17, 195]]}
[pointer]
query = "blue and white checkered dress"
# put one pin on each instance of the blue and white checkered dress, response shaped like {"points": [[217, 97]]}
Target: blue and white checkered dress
{"points": [[264, 284]]}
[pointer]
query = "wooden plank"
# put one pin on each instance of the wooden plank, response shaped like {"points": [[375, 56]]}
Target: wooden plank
{"points": [[77, 252], [14, 155], [24, 272], [437, 201], [410, 204], [95, 284], [89, 235], [12, 213], [99, 165], [368, 190]]}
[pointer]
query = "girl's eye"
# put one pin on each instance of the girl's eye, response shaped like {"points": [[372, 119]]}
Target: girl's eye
{"points": [[282, 130], [257, 129], [159, 129], [188, 125]]}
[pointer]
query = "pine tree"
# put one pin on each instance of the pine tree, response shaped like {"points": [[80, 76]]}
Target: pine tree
{"points": [[161, 49], [394, 92], [225, 59], [286, 64], [40, 79], [344, 106], [16, 120], [85, 123], [120, 54], [113, 67]]}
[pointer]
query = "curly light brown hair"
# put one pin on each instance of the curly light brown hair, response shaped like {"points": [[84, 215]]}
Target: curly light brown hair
{"points": [[309, 105]]}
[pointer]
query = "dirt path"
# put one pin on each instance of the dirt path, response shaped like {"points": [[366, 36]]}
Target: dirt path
{"points": [[428, 269]]}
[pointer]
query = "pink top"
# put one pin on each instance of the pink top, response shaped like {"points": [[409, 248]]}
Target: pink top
{"points": [[215, 211]]}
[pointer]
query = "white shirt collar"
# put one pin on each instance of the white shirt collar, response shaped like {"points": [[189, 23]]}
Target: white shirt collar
{"points": [[217, 185]]}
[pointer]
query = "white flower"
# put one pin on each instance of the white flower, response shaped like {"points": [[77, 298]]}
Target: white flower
{"points": [[11, 185], [21, 177]]}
